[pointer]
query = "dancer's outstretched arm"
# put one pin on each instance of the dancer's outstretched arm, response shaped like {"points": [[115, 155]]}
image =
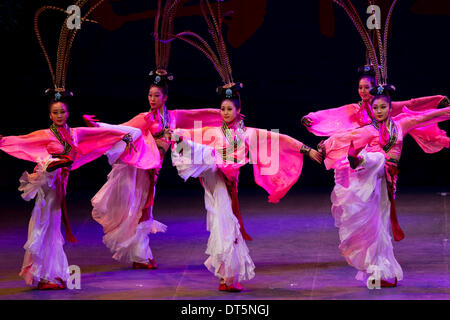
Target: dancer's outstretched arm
{"points": [[424, 118]]}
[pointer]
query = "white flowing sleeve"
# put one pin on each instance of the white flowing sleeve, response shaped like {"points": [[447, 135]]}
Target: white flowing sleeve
{"points": [[116, 151], [192, 159]]}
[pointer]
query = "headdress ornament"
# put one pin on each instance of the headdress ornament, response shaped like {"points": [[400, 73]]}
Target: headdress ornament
{"points": [[379, 58], [218, 57], [163, 30], [65, 42]]}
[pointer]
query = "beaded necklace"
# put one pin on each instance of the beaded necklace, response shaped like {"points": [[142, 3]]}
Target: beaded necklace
{"points": [[234, 141], [55, 131], [393, 134]]}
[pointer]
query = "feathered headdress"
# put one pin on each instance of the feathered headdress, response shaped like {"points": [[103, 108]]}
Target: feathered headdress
{"points": [[378, 59], [219, 57], [66, 38], [162, 32]]}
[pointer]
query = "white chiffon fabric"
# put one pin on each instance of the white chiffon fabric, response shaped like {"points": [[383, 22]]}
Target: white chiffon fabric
{"points": [[116, 151], [118, 205], [361, 209], [44, 258], [229, 256]]}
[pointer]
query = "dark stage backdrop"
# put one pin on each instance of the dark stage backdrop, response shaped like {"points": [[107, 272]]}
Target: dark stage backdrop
{"points": [[293, 57]]}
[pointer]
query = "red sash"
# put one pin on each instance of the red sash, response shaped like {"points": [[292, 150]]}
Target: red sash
{"points": [[62, 198], [152, 173], [233, 192], [391, 176]]}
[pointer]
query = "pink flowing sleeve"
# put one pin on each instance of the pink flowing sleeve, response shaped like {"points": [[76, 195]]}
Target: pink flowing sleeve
{"points": [[146, 156], [426, 122], [429, 137], [138, 121], [336, 147], [93, 143], [185, 118], [416, 104], [330, 121], [28, 147], [277, 161]]}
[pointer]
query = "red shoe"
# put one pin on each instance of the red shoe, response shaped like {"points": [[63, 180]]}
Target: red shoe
{"points": [[62, 283], [237, 287], [385, 284], [151, 265], [50, 286]]}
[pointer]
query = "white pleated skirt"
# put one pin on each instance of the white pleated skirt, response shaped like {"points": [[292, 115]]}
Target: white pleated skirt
{"points": [[45, 258], [361, 209], [229, 256], [117, 206]]}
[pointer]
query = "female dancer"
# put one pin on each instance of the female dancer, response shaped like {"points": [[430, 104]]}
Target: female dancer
{"points": [[216, 158], [363, 197], [56, 151], [124, 205], [327, 122], [215, 155]]}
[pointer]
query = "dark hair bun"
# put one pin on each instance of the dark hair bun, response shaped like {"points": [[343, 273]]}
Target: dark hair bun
{"points": [[228, 92], [56, 95], [160, 78], [366, 70], [382, 90]]}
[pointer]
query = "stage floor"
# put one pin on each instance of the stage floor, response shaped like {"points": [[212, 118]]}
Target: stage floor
{"points": [[294, 248]]}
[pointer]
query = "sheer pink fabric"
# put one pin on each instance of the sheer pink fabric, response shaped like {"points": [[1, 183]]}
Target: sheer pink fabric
{"points": [[430, 138], [276, 158], [290, 162], [330, 121], [408, 121], [146, 155], [90, 144]]}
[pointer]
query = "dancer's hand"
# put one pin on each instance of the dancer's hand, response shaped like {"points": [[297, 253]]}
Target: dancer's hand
{"points": [[168, 134], [444, 103], [315, 156], [307, 121], [321, 148], [128, 139], [446, 111], [90, 120], [130, 146], [130, 143]]}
